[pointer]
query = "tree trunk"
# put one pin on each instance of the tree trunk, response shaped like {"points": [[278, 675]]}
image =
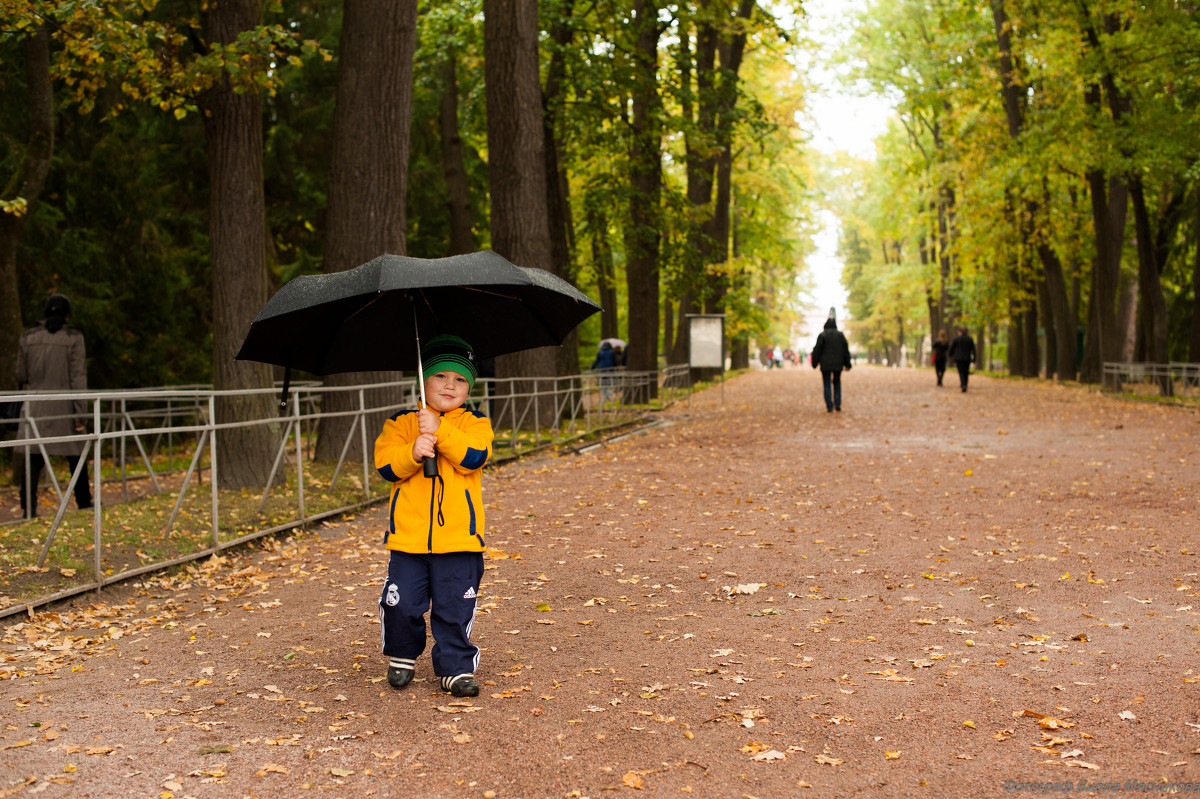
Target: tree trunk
{"points": [[699, 112], [517, 179], [1108, 214], [458, 191], [645, 173], [558, 206], [1194, 344], [606, 274], [1016, 342], [1061, 327], [1109, 198], [1126, 317], [687, 305], [238, 249], [668, 329], [368, 173], [731, 50], [1046, 320], [1153, 305], [933, 297], [27, 184], [1032, 356], [943, 258]]}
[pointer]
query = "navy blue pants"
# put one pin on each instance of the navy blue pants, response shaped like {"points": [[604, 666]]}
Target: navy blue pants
{"points": [[444, 584], [834, 399]]}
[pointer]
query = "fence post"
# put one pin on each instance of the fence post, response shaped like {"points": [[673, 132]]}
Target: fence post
{"points": [[96, 496], [299, 457], [212, 465], [362, 410], [170, 450], [124, 438]]}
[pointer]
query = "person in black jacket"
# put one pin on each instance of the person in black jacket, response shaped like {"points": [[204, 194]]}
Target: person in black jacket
{"points": [[939, 354], [832, 355], [962, 352]]}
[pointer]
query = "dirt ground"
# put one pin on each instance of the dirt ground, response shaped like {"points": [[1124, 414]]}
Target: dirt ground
{"points": [[929, 593]]}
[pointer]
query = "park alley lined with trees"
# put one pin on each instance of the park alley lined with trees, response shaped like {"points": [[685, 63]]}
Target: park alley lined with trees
{"points": [[1038, 182], [169, 164], [932, 591]]}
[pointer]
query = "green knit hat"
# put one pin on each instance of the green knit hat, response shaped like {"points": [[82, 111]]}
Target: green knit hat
{"points": [[448, 352]]}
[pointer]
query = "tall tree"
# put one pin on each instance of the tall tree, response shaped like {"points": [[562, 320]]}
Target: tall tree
{"points": [[645, 178], [368, 170], [516, 156], [558, 201], [1014, 93], [458, 190], [238, 249]]}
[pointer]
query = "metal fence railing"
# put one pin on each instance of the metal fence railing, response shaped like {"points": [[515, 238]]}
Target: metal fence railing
{"points": [[1178, 380], [151, 453]]}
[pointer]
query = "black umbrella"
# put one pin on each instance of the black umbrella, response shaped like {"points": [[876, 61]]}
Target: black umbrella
{"points": [[363, 319]]}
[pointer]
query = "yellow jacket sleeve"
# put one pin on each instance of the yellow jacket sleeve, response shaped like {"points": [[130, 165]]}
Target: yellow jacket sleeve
{"points": [[468, 444], [393, 448]]}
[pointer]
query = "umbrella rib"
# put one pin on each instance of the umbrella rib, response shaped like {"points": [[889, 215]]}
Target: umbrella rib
{"points": [[492, 293], [429, 305], [357, 311]]}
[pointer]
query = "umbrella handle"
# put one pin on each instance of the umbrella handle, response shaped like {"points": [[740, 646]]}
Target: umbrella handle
{"points": [[431, 469]]}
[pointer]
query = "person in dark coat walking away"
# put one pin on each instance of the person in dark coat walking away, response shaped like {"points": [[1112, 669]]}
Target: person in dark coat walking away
{"points": [[939, 355], [606, 357], [51, 358], [962, 352], [832, 355]]}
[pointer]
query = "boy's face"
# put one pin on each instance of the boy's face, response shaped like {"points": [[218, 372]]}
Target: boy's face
{"points": [[446, 390]]}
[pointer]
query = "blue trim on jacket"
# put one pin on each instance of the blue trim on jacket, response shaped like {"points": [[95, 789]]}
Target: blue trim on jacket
{"points": [[475, 458]]}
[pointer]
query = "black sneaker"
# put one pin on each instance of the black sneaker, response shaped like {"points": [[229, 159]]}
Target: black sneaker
{"points": [[461, 686], [400, 672]]}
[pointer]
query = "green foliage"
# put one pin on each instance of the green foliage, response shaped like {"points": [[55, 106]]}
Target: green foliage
{"points": [[155, 53], [121, 224], [939, 61]]}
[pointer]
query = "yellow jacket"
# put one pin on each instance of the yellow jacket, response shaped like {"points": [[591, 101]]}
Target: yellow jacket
{"points": [[445, 513]]}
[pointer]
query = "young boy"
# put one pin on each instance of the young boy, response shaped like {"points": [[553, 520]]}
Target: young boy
{"points": [[435, 533]]}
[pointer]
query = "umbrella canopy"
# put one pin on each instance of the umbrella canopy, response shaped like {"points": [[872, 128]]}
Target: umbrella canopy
{"points": [[615, 342], [362, 319]]}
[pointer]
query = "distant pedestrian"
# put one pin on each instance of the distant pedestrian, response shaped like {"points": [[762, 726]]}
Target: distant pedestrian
{"points": [[962, 352], [832, 355], [52, 358], [606, 357], [940, 347], [606, 360], [777, 356]]}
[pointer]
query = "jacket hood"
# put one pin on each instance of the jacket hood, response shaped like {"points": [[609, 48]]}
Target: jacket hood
{"points": [[830, 324]]}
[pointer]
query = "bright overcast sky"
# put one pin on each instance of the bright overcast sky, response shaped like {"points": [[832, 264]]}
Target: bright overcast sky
{"points": [[839, 120]]}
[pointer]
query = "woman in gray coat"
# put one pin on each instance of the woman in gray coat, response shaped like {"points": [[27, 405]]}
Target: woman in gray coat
{"points": [[51, 358]]}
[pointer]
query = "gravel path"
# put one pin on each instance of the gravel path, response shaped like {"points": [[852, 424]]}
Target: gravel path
{"points": [[929, 593]]}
